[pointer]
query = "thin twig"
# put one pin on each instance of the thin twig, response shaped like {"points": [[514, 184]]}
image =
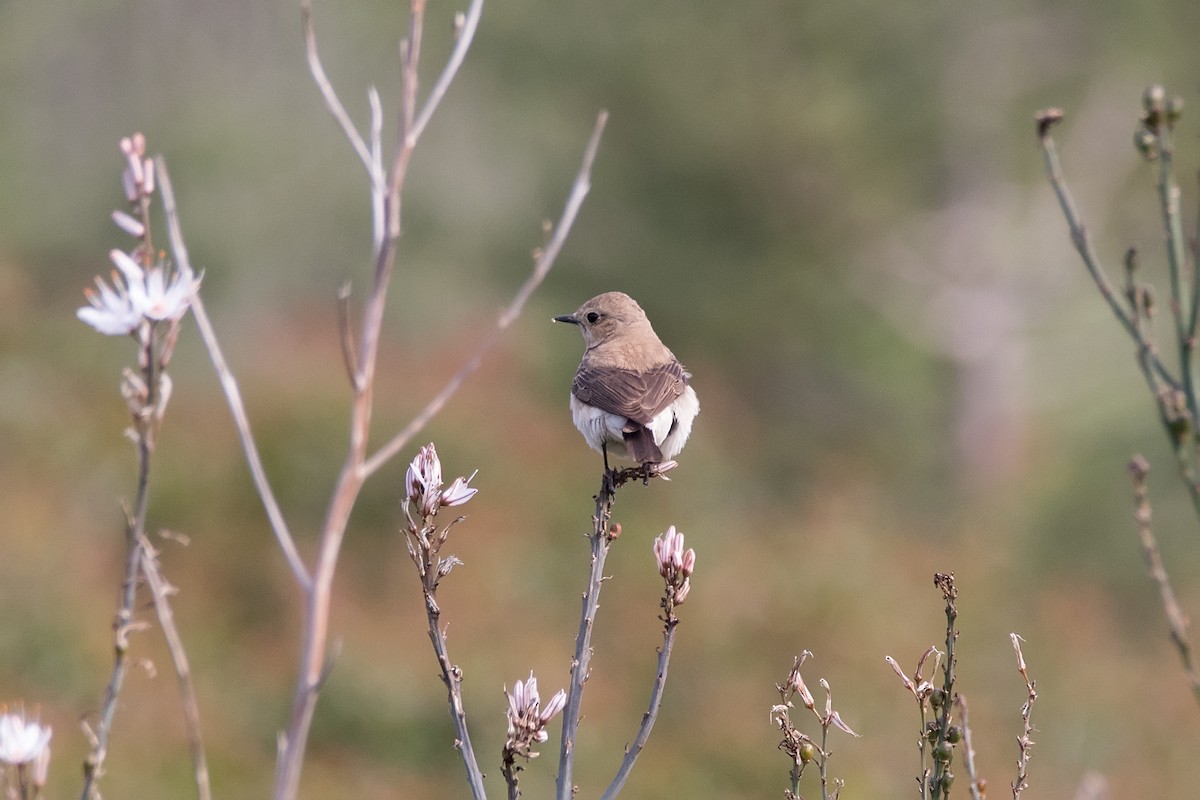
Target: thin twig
{"points": [[233, 395], [378, 193], [1087, 253], [648, 718], [940, 784], [542, 265], [470, 21], [1024, 743], [509, 769], [452, 677], [1177, 621], [601, 538], [123, 625], [1179, 417], [345, 335], [160, 590], [135, 526], [581, 663], [332, 102], [1168, 198], [974, 784]]}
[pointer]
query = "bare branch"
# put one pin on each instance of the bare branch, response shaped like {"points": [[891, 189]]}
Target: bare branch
{"points": [[345, 336], [470, 21], [160, 590], [648, 718], [974, 784], [1024, 743], [1177, 621], [332, 102], [542, 265], [233, 395]]}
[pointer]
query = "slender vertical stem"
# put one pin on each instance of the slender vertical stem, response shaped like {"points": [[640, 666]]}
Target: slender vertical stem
{"points": [[1177, 621], [452, 677], [229, 385], [159, 591], [648, 719], [945, 583], [1087, 253], [1180, 418], [1183, 302], [960, 702], [135, 525], [823, 764], [581, 663]]}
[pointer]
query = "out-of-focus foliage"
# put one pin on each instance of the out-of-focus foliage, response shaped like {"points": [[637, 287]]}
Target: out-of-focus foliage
{"points": [[835, 215]]}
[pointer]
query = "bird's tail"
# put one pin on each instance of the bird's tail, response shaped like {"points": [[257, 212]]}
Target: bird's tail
{"points": [[640, 444]]}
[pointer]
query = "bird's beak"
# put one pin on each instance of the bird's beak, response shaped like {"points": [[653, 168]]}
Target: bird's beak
{"points": [[571, 318]]}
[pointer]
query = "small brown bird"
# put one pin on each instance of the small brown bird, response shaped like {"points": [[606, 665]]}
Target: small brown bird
{"points": [[630, 396]]}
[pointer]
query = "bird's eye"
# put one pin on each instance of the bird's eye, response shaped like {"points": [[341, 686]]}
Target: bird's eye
{"points": [[593, 317]]}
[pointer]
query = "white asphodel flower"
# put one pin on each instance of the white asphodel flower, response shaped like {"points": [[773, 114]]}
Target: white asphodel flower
{"points": [[21, 740], [112, 310], [137, 294], [162, 298]]}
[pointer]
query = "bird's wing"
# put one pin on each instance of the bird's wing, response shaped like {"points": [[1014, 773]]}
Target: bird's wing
{"points": [[639, 396]]}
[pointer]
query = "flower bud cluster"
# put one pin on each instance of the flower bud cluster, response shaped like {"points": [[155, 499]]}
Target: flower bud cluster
{"points": [[527, 720], [138, 178], [143, 290], [1159, 115], [423, 482], [424, 494], [675, 564]]}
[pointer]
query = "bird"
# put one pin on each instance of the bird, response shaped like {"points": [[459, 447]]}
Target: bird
{"points": [[630, 397]]}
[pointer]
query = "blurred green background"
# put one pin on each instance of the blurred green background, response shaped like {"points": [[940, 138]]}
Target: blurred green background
{"points": [[835, 215]]}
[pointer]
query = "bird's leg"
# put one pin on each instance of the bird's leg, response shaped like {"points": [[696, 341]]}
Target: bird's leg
{"points": [[611, 476]]}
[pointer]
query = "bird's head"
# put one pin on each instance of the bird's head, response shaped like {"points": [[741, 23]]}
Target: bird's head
{"points": [[607, 316]]}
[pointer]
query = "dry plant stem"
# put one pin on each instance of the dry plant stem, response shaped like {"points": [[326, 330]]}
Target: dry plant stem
{"points": [[1091, 261], [229, 385], [452, 677], [581, 662], [1024, 743], [160, 591], [1183, 305], [1176, 620], [823, 764], [135, 525], [1183, 298], [960, 702], [945, 583], [670, 623], [544, 260], [508, 768], [600, 539], [1180, 428]]}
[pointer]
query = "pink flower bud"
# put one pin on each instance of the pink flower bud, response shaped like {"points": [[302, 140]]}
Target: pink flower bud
{"points": [[128, 224]]}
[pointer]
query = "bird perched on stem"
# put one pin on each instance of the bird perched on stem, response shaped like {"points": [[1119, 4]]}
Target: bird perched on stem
{"points": [[630, 396]]}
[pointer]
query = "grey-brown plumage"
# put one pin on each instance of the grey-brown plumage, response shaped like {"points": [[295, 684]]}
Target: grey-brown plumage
{"points": [[630, 397]]}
